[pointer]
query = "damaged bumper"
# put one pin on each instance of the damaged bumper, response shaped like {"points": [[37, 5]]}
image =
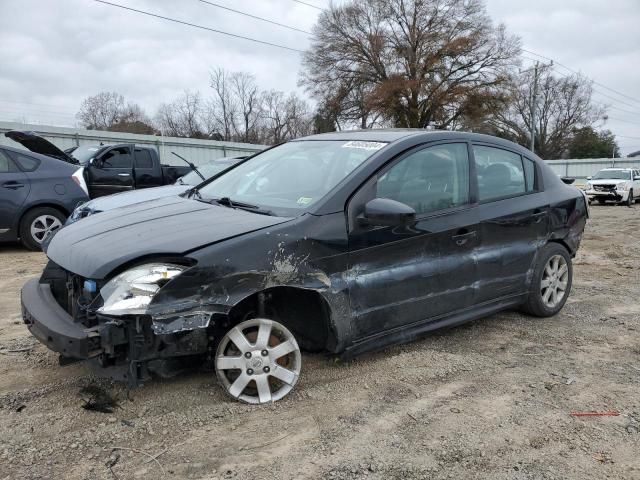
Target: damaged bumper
{"points": [[53, 326], [614, 195]]}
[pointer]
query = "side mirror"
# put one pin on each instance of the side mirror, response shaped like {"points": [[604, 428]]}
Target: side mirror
{"points": [[637, 177], [387, 212], [589, 178]]}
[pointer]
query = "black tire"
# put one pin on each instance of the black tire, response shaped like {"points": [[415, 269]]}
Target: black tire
{"points": [[535, 304], [630, 200], [601, 201], [28, 240]]}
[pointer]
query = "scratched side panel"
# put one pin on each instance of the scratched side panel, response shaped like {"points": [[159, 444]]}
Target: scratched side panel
{"points": [[308, 253], [512, 232]]}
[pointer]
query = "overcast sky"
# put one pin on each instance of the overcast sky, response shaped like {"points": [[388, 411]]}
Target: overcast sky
{"points": [[55, 53]]}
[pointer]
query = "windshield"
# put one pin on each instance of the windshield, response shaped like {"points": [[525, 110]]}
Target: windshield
{"points": [[612, 175], [207, 171], [84, 153], [291, 177]]}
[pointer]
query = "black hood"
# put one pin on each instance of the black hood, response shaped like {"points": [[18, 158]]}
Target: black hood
{"points": [[37, 144], [98, 244]]}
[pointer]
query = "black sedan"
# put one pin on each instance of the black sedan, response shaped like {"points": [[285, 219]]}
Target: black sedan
{"points": [[342, 242], [37, 193], [109, 202]]}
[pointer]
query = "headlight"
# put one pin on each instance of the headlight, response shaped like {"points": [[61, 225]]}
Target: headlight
{"points": [[622, 187], [81, 211], [588, 186], [131, 292]]}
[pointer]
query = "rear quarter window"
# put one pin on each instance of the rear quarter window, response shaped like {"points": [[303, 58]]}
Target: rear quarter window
{"points": [[26, 163]]}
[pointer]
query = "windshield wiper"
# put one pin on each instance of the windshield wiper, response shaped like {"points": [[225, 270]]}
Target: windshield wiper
{"points": [[227, 202], [193, 192], [191, 165]]}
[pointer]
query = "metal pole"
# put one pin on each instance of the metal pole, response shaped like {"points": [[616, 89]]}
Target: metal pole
{"points": [[534, 100]]}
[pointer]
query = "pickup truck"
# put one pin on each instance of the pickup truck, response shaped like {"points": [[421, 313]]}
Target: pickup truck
{"points": [[109, 169], [621, 185]]}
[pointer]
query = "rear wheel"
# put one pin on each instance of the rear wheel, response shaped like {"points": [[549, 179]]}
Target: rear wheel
{"points": [[551, 282], [258, 361], [37, 224]]}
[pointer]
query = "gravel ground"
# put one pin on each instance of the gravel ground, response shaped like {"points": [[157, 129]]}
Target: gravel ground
{"points": [[491, 399]]}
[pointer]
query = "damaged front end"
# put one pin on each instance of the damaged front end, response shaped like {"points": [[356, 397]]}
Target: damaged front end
{"points": [[113, 323]]}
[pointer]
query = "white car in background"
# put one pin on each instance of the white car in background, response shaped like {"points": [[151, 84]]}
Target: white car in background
{"points": [[621, 185]]}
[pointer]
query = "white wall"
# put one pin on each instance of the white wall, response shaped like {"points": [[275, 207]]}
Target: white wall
{"points": [[583, 168], [196, 151]]}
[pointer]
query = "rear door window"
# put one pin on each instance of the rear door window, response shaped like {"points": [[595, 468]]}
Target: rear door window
{"points": [[142, 158], [26, 163], [500, 173], [6, 164]]}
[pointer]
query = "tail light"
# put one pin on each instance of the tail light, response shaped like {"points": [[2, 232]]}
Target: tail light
{"points": [[78, 177]]}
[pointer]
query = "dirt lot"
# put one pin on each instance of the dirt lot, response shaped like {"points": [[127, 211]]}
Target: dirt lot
{"points": [[488, 400]]}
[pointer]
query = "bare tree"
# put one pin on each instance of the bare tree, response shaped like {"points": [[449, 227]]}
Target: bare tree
{"points": [[562, 106], [133, 119], [414, 62], [101, 111], [275, 119], [221, 108], [284, 118], [247, 99], [182, 117]]}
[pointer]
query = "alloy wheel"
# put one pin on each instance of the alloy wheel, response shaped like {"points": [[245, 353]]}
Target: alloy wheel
{"points": [[555, 278], [258, 361], [42, 225]]}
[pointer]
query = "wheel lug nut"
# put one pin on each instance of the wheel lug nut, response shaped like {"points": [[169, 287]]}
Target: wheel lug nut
{"points": [[264, 353], [249, 371], [247, 355], [266, 369]]}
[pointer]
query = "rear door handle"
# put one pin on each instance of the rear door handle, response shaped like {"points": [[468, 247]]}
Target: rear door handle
{"points": [[463, 238], [13, 185], [538, 216]]}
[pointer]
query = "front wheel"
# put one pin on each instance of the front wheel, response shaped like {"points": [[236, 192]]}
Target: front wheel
{"points": [[630, 200], [551, 282], [258, 361]]}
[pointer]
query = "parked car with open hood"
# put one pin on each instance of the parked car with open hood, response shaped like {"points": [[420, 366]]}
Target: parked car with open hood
{"points": [[621, 185], [342, 242], [37, 193], [109, 169], [181, 185]]}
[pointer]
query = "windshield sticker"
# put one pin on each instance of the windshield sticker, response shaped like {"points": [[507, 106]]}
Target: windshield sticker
{"points": [[364, 145], [304, 200]]}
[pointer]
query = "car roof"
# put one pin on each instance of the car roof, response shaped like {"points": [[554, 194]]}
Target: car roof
{"points": [[394, 134], [391, 135]]}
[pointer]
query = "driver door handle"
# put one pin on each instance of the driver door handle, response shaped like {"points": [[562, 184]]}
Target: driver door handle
{"points": [[124, 174], [462, 238], [13, 185]]}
